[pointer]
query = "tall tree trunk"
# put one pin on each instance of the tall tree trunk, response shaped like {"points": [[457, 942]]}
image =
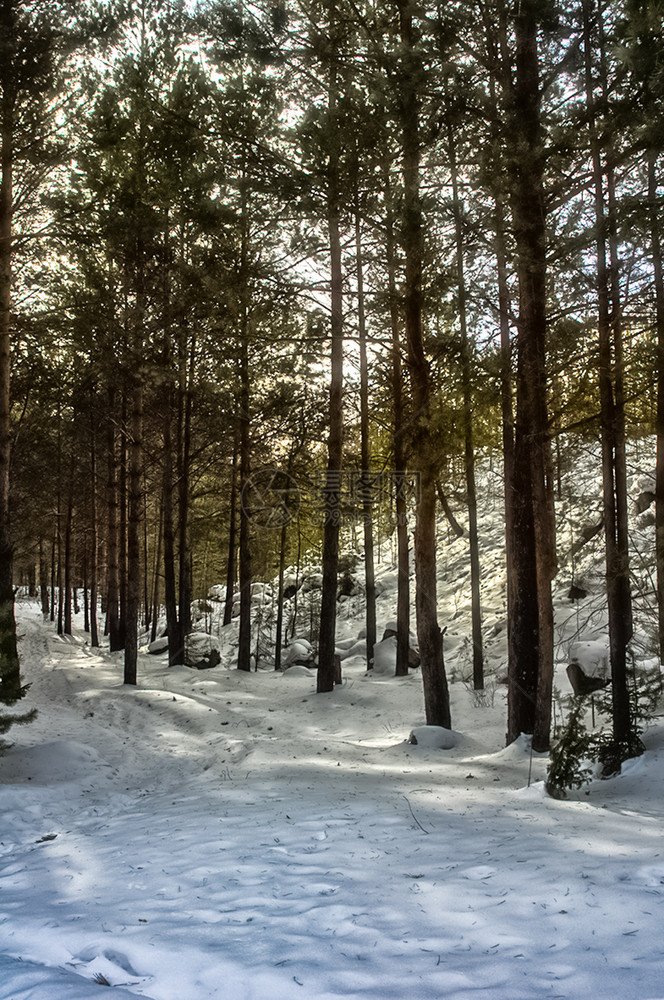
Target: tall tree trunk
{"points": [[86, 603], [467, 381], [43, 578], [175, 646], [328, 605], [612, 411], [94, 532], [184, 475], [54, 556], [507, 413], [278, 641], [59, 580], [231, 561], [135, 475], [436, 693], [654, 207], [157, 565], [10, 678], [367, 486], [398, 441], [116, 639], [68, 549], [533, 553], [123, 504], [135, 509], [245, 568]]}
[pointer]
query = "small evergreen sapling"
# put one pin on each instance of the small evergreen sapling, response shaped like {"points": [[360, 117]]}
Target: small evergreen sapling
{"points": [[571, 753]]}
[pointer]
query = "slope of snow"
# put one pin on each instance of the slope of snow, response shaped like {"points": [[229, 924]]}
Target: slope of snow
{"points": [[213, 834]]}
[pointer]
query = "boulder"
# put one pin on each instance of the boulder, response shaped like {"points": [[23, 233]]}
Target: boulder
{"points": [[582, 684], [436, 737], [211, 659]]}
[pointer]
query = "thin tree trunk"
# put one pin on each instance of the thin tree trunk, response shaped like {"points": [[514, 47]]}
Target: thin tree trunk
{"points": [[448, 512], [135, 479], [123, 503], [43, 579], [280, 596], [231, 562], [94, 539], [245, 569], [157, 565], [398, 443], [507, 412], [9, 661], [656, 250], [170, 596], [531, 666], [135, 506], [86, 602], [328, 605], [184, 475], [116, 639], [148, 575], [68, 550], [367, 504], [436, 693], [466, 374], [59, 581], [612, 416], [54, 556]]}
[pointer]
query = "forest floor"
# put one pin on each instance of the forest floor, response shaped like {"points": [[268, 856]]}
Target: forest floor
{"points": [[215, 834]]}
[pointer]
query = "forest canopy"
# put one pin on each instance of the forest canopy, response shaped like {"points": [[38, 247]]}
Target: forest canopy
{"points": [[268, 270]]}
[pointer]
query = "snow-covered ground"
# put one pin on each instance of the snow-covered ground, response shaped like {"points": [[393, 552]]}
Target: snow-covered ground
{"points": [[215, 834]]}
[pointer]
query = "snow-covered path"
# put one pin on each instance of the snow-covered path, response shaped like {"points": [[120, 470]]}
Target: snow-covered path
{"points": [[218, 835]]}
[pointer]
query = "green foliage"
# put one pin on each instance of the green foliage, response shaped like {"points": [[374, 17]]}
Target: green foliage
{"points": [[569, 765], [576, 750], [9, 720]]}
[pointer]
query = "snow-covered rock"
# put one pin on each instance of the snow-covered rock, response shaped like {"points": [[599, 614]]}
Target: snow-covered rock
{"points": [[385, 656], [592, 656], [435, 737], [298, 670], [299, 652], [160, 645]]}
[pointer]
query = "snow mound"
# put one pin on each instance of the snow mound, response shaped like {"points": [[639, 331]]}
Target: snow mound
{"points": [[435, 737], [50, 762], [298, 670], [385, 656], [592, 656]]}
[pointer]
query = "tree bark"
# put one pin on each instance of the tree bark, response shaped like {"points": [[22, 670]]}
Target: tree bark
{"points": [[658, 269], [398, 441], [10, 678], [94, 536], [184, 476], [175, 649], [612, 409], [116, 639], [43, 579], [533, 554], [367, 486], [231, 561], [68, 550], [469, 449], [436, 693], [328, 606], [135, 510]]}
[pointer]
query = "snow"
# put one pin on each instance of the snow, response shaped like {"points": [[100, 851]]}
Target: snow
{"points": [[220, 835], [237, 835]]}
